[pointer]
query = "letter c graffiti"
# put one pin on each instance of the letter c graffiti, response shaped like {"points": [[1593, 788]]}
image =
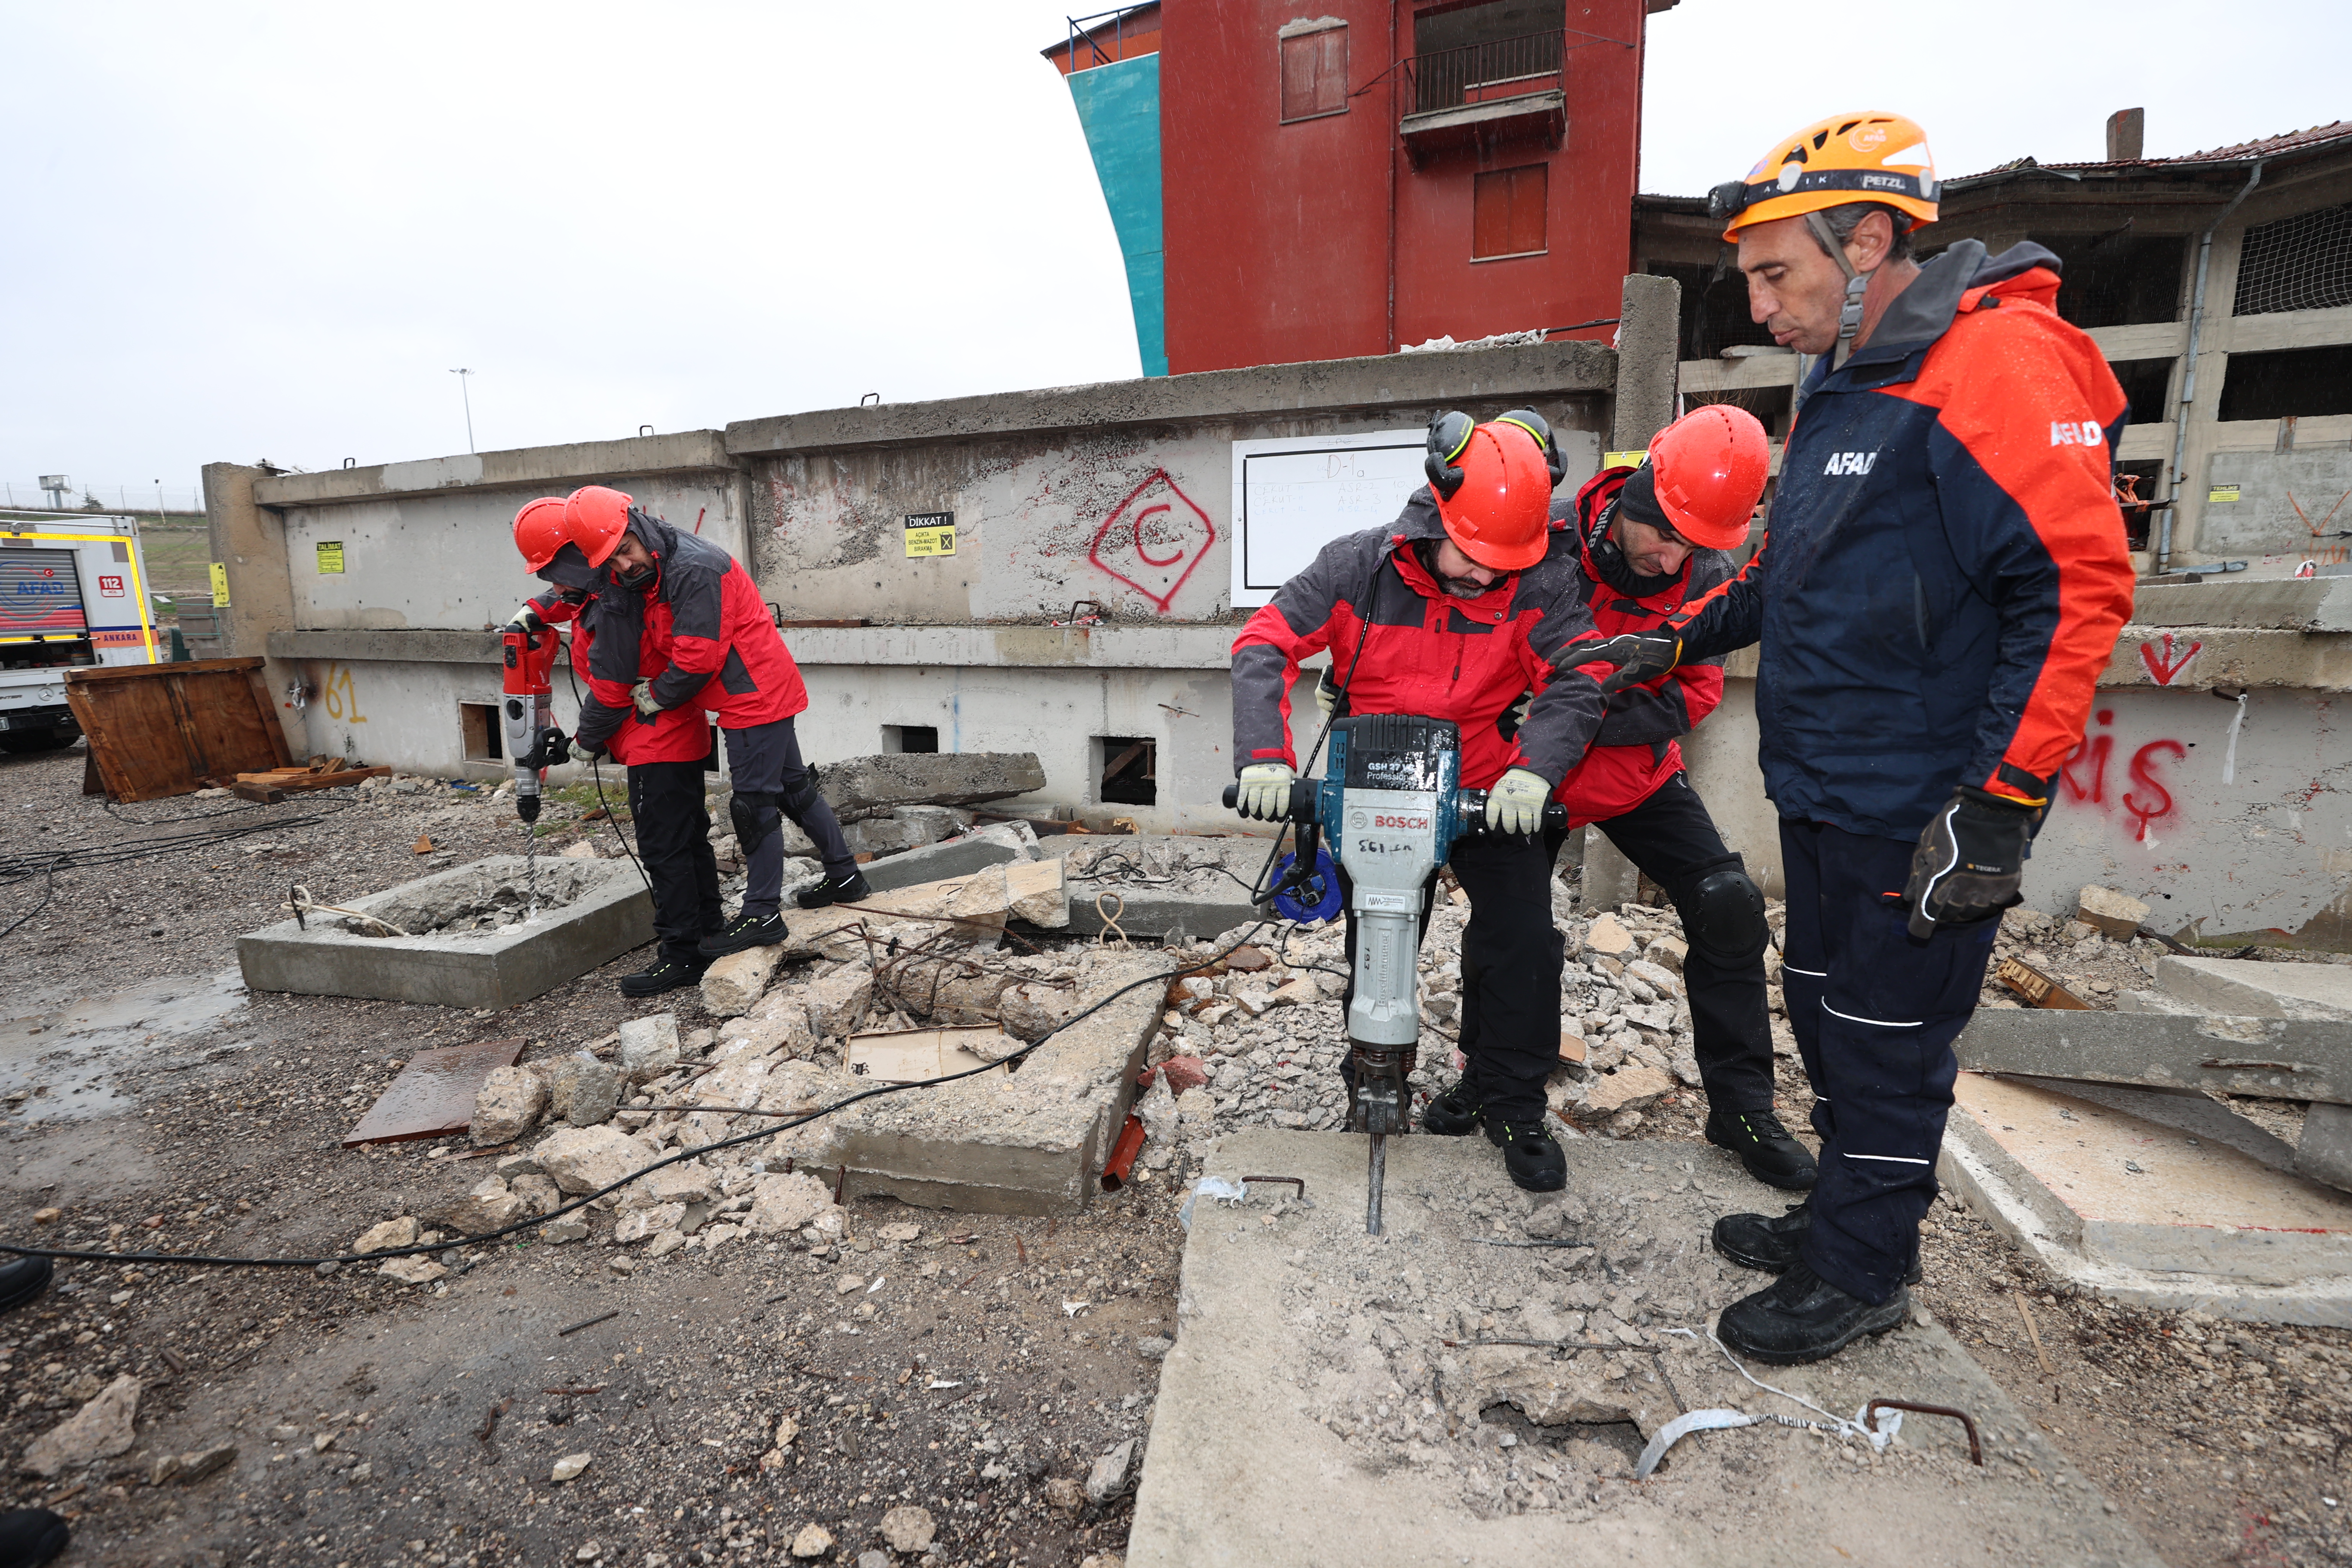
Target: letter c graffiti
{"points": [[1144, 555]]}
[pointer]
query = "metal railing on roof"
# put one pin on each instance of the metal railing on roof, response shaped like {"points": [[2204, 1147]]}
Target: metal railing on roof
{"points": [[1084, 28], [1476, 73]]}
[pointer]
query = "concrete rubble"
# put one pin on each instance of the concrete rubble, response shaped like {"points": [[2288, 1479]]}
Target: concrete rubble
{"points": [[99, 1430], [863, 787]]}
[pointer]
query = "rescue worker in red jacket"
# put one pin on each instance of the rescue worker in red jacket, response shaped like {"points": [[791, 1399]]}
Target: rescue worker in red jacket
{"points": [[664, 754], [719, 651], [1644, 541], [1454, 612], [1944, 580]]}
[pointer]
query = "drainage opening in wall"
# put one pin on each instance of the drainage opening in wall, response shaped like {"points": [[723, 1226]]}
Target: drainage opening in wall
{"points": [[481, 731], [1127, 767], [911, 737]]}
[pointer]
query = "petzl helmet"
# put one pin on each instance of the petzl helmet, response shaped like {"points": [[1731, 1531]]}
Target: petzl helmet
{"points": [[1493, 486], [594, 516], [539, 530], [1708, 469], [1868, 157]]}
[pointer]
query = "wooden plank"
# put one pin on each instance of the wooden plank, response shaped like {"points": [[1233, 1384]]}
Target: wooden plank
{"points": [[97, 675], [260, 795], [301, 779], [266, 706]]}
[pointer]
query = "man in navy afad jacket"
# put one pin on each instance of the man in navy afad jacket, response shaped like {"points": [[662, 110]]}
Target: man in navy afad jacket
{"points": [[1943, 581]]}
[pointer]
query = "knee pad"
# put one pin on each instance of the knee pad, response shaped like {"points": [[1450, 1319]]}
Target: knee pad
{"points": [[1724, 917], [797, 798], [753, 817]]}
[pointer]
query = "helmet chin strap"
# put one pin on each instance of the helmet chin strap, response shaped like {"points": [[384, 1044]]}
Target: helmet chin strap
{"points": [[1857, 284]]}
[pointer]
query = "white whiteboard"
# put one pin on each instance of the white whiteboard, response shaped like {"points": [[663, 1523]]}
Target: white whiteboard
{"points": [[1293, 496]]}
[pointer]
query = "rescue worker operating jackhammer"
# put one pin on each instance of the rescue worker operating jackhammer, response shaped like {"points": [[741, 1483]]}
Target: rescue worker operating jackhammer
{"points": [[1453, 612], [1947, 578], [1643, 542], [719, 651], [663, 753]]}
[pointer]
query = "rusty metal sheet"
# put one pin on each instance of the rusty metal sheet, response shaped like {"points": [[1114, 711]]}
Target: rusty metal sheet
{"points": [[433, 1094]]}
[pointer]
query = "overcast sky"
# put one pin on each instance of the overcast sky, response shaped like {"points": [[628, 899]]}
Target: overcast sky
{"points": [[244, 231]]}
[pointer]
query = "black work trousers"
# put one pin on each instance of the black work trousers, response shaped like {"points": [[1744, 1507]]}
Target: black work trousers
{"points": [[673, 826], [1875, 1011], [764, 760], [1674, 841], [1511, 959]]}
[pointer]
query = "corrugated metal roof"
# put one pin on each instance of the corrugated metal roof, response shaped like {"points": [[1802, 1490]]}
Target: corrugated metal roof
{"points": [[2240, 152]]}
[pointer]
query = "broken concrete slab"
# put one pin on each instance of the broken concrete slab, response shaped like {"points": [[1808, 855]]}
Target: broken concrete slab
{"points": [[2148, 1215], [2112, 914], [1027, 1144], [2254, 989], [1313, 1386], [733, 983], [479, 946], [508, 1105], [861, 787], [649, 1046], [436, 1094], [2199, 1115], [956, 857], [2323, 1153], [2277, 1058]]}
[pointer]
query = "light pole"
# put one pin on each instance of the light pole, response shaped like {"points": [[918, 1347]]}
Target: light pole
{"points": [[461, 375]]}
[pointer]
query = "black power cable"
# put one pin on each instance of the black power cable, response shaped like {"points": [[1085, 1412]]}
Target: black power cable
{"points": [[93, 1255], [596, 775]]}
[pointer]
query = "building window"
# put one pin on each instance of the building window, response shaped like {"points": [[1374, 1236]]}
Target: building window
{"points": [[911, 737], [1314, 74], [1128, 766], [2299, 383], [1508, 213], [2148, 382], [481, 731], [2300, 263]]}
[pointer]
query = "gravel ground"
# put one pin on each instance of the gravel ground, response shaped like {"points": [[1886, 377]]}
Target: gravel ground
{"points": [[1002, 1358]]}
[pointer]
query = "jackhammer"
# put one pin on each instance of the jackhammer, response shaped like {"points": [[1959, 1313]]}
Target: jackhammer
{"points": [[1390, 805], [532, 741]]}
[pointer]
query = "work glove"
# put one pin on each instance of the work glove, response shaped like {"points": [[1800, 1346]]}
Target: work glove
{"points": [[642, 694], [525, 620], [1970, 857], [1266, 791], [1327, 694], [1638, 656], [1516, 804]]}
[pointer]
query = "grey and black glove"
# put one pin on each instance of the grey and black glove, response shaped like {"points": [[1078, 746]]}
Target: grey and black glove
{"points": [[1638, 656], [1970, 857]]}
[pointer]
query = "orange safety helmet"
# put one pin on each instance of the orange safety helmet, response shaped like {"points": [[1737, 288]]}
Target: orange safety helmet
{"points": [[1708, 469], [1868, 157], [539, 531], [1493, 486], [595, 516]]}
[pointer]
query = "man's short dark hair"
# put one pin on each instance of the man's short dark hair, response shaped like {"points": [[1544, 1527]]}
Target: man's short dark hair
{"points": [[1845, 218]]}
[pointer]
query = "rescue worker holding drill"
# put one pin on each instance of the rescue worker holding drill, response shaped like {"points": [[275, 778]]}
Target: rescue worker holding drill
{"points": [[1643, 542], [1453, 612], [1945, 580]]}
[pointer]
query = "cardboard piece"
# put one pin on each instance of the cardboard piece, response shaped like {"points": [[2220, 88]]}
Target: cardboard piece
{"points": [[911, 1056]]}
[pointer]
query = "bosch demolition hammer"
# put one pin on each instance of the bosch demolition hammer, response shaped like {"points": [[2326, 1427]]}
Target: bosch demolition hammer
{"points": [[1390, 804]]}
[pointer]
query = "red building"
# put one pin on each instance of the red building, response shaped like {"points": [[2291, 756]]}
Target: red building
{"points": [[1345, 177]]}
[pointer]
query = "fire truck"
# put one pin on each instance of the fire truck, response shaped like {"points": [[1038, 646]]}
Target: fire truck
{"points": [[73, 592]]}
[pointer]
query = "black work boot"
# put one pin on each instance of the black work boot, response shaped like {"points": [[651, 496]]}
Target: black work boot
{"points": [[22, 1280], [1530, 1154], [31, 1536], [1764, 1146], [1454, 1112], [669, 972], [836, 890], [1801, 1317], [1760, 1241], [742, 931]]}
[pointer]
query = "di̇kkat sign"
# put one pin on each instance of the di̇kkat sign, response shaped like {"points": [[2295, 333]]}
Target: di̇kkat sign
{"points": [[930, 534]]}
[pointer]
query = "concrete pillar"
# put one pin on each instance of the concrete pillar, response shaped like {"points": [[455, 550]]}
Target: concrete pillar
{"points": [[1609, 879], [1649, 326], [250, 543]]}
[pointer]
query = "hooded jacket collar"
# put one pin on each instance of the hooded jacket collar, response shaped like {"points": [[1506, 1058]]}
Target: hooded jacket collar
{"points": [[1947, 284]]}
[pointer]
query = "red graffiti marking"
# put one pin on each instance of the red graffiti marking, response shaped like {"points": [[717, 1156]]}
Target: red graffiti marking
{"points": [[2143, 773], [2164, 669], [1133, 529]]}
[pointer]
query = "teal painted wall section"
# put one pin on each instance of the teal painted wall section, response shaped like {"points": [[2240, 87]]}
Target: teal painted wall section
{"points": [[1118, 108]]}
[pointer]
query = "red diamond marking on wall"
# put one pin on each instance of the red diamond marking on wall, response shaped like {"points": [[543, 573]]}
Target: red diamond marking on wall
{"points": [[1154, 540]]}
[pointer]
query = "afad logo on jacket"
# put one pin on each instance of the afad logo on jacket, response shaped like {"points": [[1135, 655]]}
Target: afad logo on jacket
{"points": [[1851, 463], [2087, 433]]}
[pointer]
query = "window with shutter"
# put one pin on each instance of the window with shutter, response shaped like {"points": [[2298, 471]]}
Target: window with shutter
{"points": [[1507, 211], [1314, 74]]}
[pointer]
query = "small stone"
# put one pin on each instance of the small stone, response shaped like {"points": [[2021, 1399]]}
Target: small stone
{"points": [[582, 1090], [568, 1229], [1294, 993], [665, 1244], [813, 1541], [1108, 1477], [718, 1235], [538, 1192], [1628, 1088], [199, 1464], [47, 1216], [641, 1225], [2111, 914], [650, 1046], [1183, 1074], [1155, 1348], [489, 1205], [392, 1234], [1608, 935], [413, 1270], [849, 1285], [909, 1529], [873, 1558], [588, 1550], [902, 1232], [1065, 1494], [568, 1466], [1667, 953], [837, 1002], [733, 983], [163, 1468], [508, 1105], [788, 1431], [587, 1159], [99, 1430], [781, 1204]]}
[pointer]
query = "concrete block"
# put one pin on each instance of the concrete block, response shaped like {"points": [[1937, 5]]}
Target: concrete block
{"points": [[731, 984], [591, 912], [2325, 1151], [648, 1047], [937, 862], [1282, 1351], [1030, 1142], [2146, 1215], [2277, 1058], [1146, 914], [860, 787], [1610, 879], [2258, 990], [2109, 912]]}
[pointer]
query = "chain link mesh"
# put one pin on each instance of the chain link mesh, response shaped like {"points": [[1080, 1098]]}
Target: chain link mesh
{"points": [[2300, 263]]}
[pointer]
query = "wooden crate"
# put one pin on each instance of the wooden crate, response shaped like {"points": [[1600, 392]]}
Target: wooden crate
{"points": [[158, 729]]}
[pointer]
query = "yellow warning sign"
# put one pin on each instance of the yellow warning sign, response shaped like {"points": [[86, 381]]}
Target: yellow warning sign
{"points": [[930, 534], [2222, 493], [1622, 459], [220, 587], [331, 557]]}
